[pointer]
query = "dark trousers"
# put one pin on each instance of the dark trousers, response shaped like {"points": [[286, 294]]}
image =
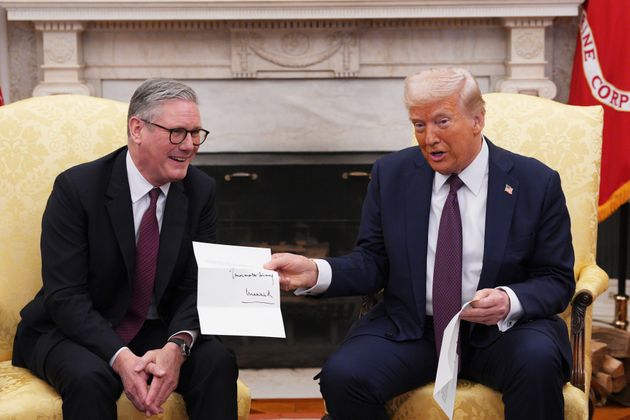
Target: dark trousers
{"points": [[89, 387], [524, 364]]}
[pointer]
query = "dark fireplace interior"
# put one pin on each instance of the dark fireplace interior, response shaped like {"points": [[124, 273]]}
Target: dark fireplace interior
{"points": [[306, 204]]}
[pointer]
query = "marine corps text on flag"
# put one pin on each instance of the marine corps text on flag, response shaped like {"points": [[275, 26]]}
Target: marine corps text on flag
{"points": [[601, 75]]}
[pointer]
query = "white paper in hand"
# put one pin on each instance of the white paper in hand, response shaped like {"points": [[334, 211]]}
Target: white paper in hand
{"points": [[448, 363], [235, 295]]}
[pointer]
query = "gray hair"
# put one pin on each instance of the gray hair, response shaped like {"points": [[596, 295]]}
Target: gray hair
{"points": [[152, 92], [437, 84]]}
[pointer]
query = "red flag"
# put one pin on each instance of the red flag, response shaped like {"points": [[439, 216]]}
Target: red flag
{"points": [[1, 97], [601, 75]]}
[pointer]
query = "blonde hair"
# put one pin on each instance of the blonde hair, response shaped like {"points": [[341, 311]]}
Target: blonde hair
{"points": [[436, 84]]}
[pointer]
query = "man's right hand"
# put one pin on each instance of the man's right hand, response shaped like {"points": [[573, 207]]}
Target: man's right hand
{"points": [[134, 373], [294, 271]]}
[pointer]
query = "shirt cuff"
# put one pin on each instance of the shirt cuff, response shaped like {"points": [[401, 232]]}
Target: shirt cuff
{"points": [[113, 359], [516, 310], [324, 278]]}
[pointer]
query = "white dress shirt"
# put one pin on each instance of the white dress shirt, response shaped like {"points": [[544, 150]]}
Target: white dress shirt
{"points": [[472, 198]]}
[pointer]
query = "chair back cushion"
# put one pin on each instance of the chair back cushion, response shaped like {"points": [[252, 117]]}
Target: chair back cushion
{"points": [[41, 137], [564, 137]]}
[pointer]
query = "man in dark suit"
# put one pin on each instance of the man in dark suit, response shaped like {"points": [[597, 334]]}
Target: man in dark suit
{"points": [[117, 310], [511, 255]]}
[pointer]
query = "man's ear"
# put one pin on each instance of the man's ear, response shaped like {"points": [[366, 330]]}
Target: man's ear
{"points": [[478, 122], [135, 128]]}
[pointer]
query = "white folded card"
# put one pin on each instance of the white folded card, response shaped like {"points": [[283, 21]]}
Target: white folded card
{"points": [[235, 295]]}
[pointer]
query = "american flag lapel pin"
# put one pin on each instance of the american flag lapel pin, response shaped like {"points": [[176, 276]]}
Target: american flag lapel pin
{"points": [[508, 189]]}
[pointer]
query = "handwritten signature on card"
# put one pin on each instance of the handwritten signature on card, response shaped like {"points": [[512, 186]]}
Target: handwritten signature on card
{"points": [[258, 295], [255, 295]]}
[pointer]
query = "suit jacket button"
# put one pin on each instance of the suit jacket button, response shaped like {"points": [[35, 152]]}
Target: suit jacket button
{"points": [[389, 334]]}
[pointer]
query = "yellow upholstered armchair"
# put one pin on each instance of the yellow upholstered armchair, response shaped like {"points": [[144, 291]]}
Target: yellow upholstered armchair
{"points": [[40, 137], [568, 139]]}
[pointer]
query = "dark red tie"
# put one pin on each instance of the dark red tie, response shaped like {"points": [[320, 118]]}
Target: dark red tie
{"points": [[447, 273], [146, 264]]}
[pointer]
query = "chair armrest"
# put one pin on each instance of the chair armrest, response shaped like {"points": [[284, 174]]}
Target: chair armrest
{"points": [[592, 279], [592, 282]]}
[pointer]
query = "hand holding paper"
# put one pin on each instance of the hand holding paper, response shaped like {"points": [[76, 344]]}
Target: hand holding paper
{"points": [[488, 307], [296, 271]]}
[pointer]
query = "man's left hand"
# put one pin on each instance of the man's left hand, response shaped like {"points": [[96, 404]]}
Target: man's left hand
{"points": [[488, 307], [169, 359]]}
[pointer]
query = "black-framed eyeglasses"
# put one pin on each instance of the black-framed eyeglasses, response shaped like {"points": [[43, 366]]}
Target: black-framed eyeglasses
{"points": [[178, 135]]}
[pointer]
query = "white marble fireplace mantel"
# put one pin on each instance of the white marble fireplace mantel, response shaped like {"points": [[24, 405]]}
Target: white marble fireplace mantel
{"points": [[86, 10], [313, 62]]}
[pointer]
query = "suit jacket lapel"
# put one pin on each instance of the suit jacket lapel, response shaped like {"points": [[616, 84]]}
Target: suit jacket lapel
{"points": [[417, 208], [121, 212], [173, 227], [499, 212]]}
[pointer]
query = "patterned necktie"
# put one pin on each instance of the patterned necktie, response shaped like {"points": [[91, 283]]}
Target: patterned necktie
{"points": [[447, 273], [146, 265]]}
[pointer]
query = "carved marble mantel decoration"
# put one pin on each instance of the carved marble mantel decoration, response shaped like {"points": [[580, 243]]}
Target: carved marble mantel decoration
{"points": [[63, 63], [290, 39], [319, 48]]}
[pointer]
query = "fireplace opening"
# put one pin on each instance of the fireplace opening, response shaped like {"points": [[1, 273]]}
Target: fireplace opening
{"points": [[306, 205]]}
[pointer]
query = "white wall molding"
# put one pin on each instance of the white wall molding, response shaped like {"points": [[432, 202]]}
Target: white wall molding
{"points": [[85, 10]]}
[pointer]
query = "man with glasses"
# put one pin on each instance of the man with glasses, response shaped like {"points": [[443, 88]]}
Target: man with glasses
{"points": [[117, 310]]}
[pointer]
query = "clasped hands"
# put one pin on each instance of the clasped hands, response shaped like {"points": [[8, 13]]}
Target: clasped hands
{"points": [[488, 307], [162, 364]]}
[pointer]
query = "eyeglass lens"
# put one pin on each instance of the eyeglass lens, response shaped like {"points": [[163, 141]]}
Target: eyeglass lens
{"points": [[179, 134]]}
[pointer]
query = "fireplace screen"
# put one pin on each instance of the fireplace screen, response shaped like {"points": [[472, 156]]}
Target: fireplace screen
{"points": [[313, 210]]}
